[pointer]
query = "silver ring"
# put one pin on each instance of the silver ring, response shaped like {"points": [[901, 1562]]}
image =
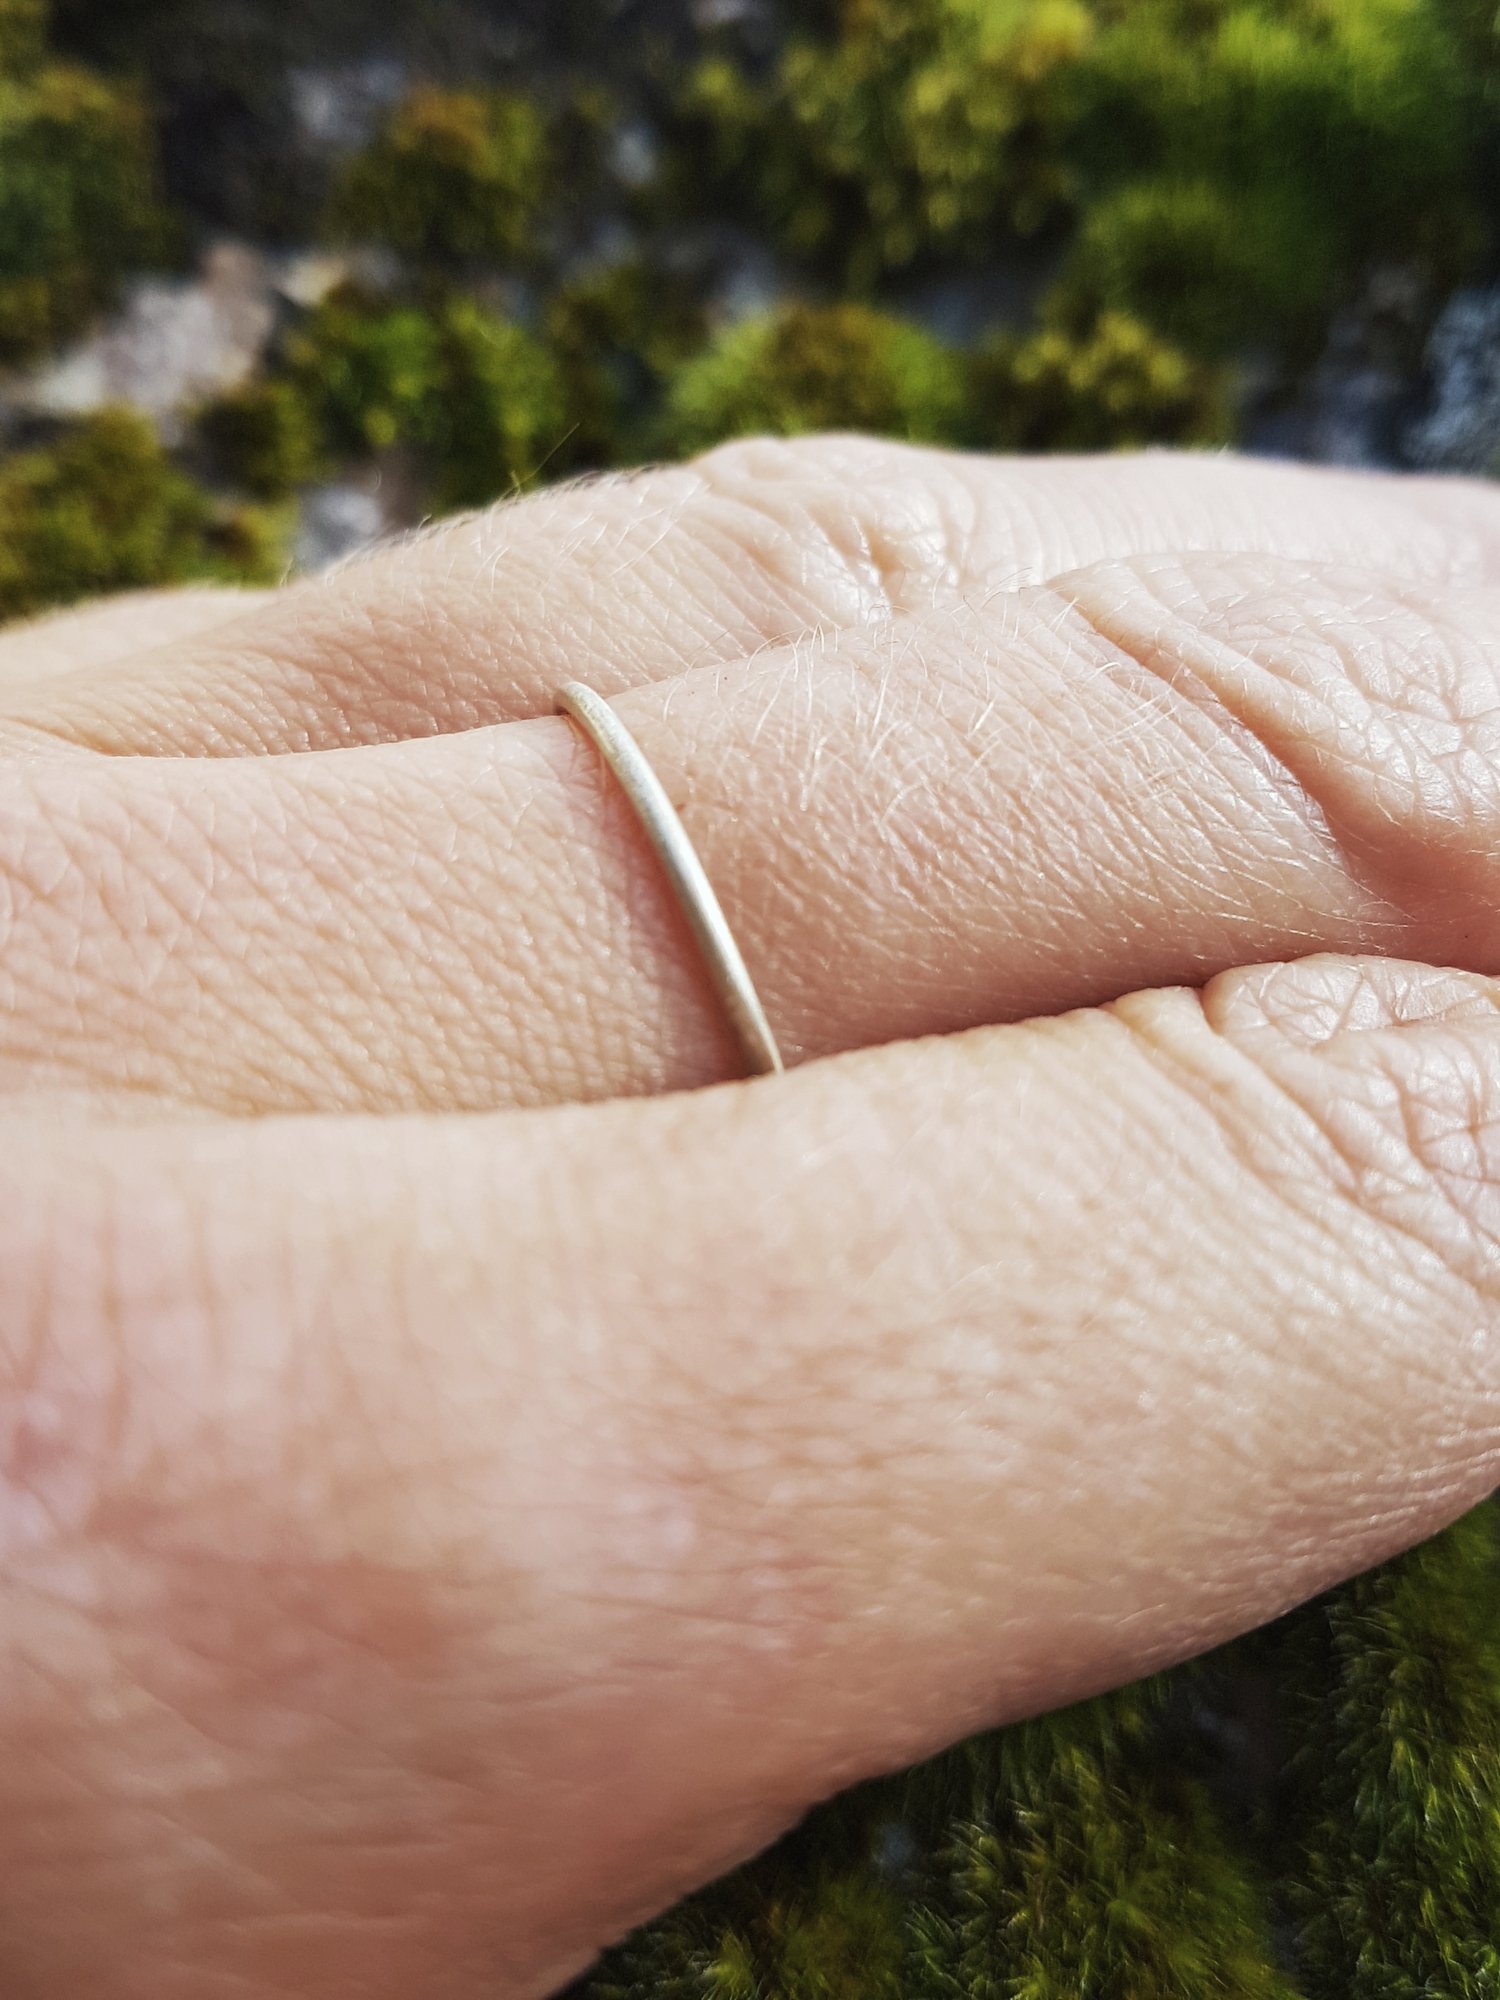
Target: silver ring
{"points": [[685, 872]]}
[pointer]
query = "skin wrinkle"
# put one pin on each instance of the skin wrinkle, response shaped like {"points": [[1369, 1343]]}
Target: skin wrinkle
{"points": [[1320, 758], [1354, 1183], [1180, 682], [1374, 1188], [1297, 1175]]}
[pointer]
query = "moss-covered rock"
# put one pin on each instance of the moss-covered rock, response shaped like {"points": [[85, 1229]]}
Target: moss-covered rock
{"points": [[807, 368], [1116, 386], [78, 201], [501, 419], [455, 177], [618, 334], [1313, 1812], [917, 129], [478, 400], [1072, 1858], [1092, 1863], [263, 437], [104, 509], [1391, 1841], [1211, 267], [1364, 108]]}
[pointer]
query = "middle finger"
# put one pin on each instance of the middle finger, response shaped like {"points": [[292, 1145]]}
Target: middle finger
{"points": [[636, 580]]}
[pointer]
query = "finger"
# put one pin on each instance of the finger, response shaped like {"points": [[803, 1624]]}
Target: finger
{"points": [[635, 580], [429, 1547], [1150, 773], [103, 634]]}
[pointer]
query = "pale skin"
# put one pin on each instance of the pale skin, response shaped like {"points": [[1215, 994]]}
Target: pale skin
{"points": [[462, 1484]]}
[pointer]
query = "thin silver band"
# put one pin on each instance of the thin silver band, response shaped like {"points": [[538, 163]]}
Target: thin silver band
{"points": [[690, 885]]}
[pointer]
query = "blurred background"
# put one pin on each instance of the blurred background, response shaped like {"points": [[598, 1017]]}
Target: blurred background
{"points": [[277, 279]]}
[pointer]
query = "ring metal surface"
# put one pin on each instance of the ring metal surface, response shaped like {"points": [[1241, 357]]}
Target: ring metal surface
{"points": [[679, 858]]}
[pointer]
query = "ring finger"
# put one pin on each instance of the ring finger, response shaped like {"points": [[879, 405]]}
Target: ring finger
{"points": [[1146, 774]]}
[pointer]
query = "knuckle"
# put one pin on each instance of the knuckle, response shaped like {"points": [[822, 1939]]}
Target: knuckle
{"points": [[1383, 1088], [850, 529], [1420, 1139], [1379, 703]]}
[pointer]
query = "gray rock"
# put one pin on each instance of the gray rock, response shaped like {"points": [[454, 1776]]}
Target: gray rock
{"points": [[338, 107], [336, 522], [174, 342], [1460, 429]]}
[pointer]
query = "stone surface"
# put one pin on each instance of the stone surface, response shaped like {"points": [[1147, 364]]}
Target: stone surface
{"points": [[173, 343], [339, 521], [1459, 431]]}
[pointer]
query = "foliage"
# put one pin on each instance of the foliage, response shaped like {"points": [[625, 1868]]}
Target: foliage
{"points": [[1397, 1781], [263, 437], [78, 201], [923, 127], [456, 177], [478, 400], [618, 333], [23, 36], [1069, 1856], [1209, 266], [105, 509], [803, 368], [1115, 387]]}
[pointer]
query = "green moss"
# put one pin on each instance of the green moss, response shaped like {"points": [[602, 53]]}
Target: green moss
{"points": [[1209, 266], [1071, 1858], [1252, 157], [23, 36], [476, 399], [805, 368], [1393, 1814], [618, 334], [501, 416], [1092, 1865], [825, 1931], [1103, 1853], [78, 202], [919, 128], [1327, 131], [1115, 387], [456, 177], [368, 368], [105, 509], [263, 437]]}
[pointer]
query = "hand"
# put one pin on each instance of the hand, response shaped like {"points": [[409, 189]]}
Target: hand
{"points": [[430, 1543]]}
